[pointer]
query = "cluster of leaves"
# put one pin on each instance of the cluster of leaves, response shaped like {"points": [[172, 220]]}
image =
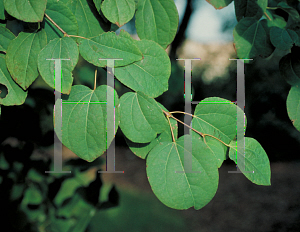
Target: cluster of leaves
{"points": [[265, 28], [64, 29], [50, 201]]}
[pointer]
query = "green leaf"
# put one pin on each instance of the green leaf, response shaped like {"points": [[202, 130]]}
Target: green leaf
{"points": [[118, 12], [90, 23], [64, 48], [217, 117], [251, 39], [219, 4], [289, 67], [84, 121], [32, 196], [283, 38], [293, 106], [98, 4], [151, 74], [142, 149], [217, 149], [250, 8], [141, 119], [109, 45], [257, 164], [16, 95], [157, 20], [21, 57], [182, 190], [290, 10], [61, 15], [276, 20], [26, 10], [5, 37], [2, 15]]}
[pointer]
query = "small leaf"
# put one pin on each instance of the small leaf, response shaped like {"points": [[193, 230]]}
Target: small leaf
{"points": [[118, 12], [157, 20], [63, 16], [21, 57], [109, 45], [151, 74], [5, 37], [251, 39], [217, 117], [16, 95], [84, 121], [293, 106], [141, 118], [250, 8], [219, 4], [257, 164], [182, 190], [142, 149], [283, 38], [64, 48], [26, 10]]}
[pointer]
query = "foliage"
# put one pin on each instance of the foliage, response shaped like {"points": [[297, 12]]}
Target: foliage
{"points": [[64, 29]]}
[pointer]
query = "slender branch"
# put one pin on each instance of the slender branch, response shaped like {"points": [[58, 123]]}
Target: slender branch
{"points": [[171, 116], [173, 112], [227, 145], [95, 79], [58, 27], [267, 16], [173, 137], [77, 36]]}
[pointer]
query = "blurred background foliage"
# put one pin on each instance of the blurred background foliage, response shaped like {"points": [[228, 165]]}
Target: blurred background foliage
{"points": [[32, 200]]}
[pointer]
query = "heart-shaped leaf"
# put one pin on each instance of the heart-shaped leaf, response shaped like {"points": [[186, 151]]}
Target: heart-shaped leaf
{"points": [[84, 121], [293, 106], [187, 189]]}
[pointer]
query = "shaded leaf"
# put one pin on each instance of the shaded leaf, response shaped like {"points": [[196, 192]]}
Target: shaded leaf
{"points": [[84, 121], [109, 45], [118, 12], [64, 48], [2, 15], [16, 95], [283, 38], [157, 20], [21, 57], [151, 74], [141, 119], [251, 39], [250, 8], [293, 106], [182, 190], [257, 164], [26, 10], [6, 36], [290, 10]]}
